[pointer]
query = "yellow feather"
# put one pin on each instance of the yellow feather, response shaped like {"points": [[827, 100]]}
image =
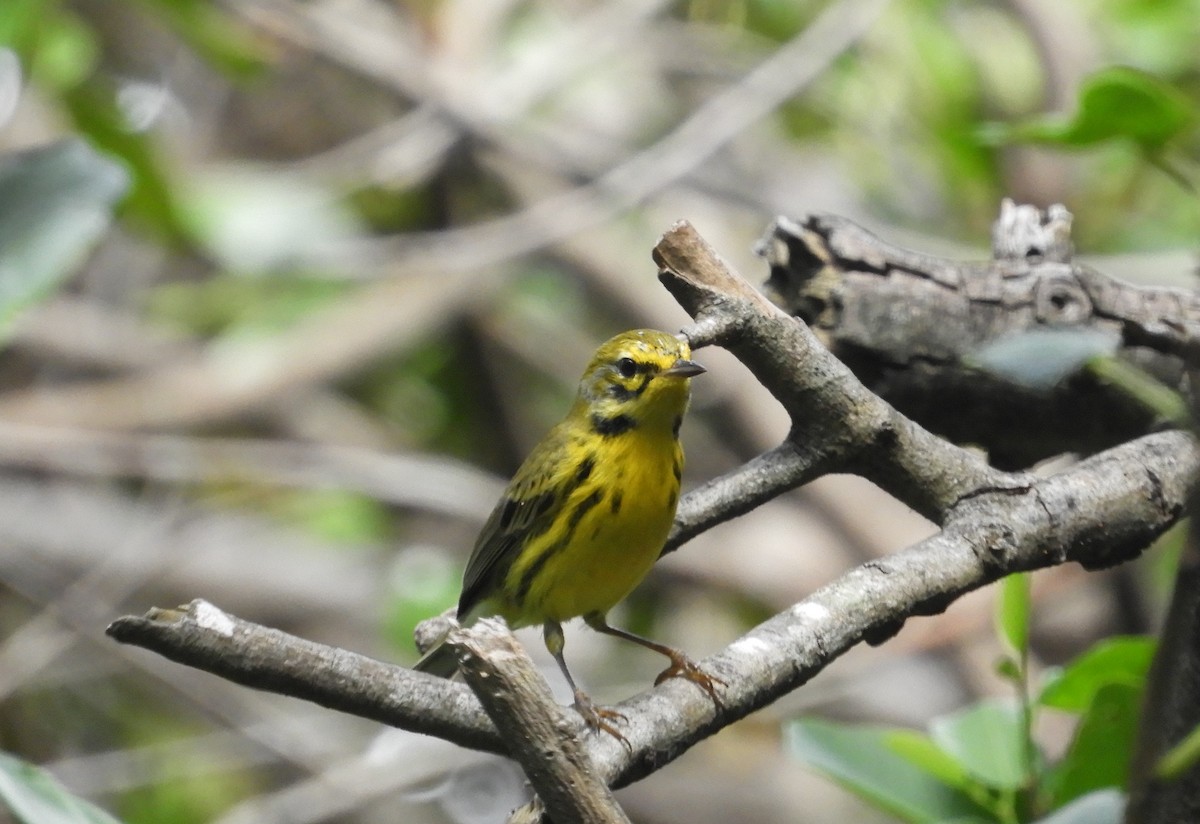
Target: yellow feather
{"points": [[627, 512], [586, 515]]}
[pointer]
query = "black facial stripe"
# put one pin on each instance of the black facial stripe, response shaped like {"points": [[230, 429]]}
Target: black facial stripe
{"points": [[616, 425], [640, 367], [624, 393], [620, 392]]}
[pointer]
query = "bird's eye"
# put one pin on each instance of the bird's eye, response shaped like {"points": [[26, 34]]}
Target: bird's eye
{"points": [[626, 367]]}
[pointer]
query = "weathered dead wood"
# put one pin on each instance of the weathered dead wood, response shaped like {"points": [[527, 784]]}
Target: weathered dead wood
{"points": [[907, 323]]}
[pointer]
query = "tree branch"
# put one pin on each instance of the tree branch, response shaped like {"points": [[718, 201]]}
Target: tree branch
{"points": [[838, 424], [547, 745], [1099, 512], [737, 492], [203, 636], [907, 324]]}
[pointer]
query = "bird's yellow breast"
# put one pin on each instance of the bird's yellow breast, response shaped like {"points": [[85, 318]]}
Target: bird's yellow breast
{"points": [[607, 536]]}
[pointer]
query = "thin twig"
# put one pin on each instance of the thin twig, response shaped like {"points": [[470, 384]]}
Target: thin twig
{"points": [[254, 561], [223, 380], [436, 484], [696, 139]]}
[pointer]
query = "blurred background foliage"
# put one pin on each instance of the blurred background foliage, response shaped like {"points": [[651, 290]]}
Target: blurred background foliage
{"points": [[289, 288]]}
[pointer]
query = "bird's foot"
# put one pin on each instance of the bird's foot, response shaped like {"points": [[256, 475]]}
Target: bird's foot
{"points": [[686, 668], [601, 719]]}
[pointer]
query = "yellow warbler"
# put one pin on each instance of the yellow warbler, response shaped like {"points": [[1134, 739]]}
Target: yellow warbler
{"points": [[587, 514]]}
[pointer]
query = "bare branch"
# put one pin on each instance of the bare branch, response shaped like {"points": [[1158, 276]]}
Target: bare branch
{"points": [[1099, 512], [838, 424], [201, 635], [519, 702], [737, 492], [677, 154]]}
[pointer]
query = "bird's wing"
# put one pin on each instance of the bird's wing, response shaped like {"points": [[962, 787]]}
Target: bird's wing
{"points": [[529, 506]]}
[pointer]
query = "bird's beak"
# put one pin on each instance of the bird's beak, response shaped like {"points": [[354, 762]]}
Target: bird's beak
{"points": [[683, 369]]}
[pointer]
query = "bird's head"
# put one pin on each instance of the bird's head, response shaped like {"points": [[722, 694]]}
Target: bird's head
{"points": [[642, 375]]}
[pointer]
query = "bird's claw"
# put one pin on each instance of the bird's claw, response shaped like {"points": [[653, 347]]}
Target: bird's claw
{"points": [[599, 718], [686, 668]]}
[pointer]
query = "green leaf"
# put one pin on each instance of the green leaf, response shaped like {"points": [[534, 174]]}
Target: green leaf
{"points": [[1010, 670], [859, 758], [215, 34], [67, 51], [919, 749], [153, 196], [1120, 660], [246, 306], [988, 740], [1114, 102], [19, 20], [1103, 807], [337, 515], [55, 202], [36, 798], [1012, 613], [1124, 102], [1099, 755]]}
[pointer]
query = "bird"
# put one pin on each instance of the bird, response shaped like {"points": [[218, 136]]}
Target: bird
{"points": [[588, 512]]}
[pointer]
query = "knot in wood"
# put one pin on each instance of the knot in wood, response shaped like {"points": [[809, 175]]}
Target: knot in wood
{"points": [[1061, 301], [995, 542]]}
